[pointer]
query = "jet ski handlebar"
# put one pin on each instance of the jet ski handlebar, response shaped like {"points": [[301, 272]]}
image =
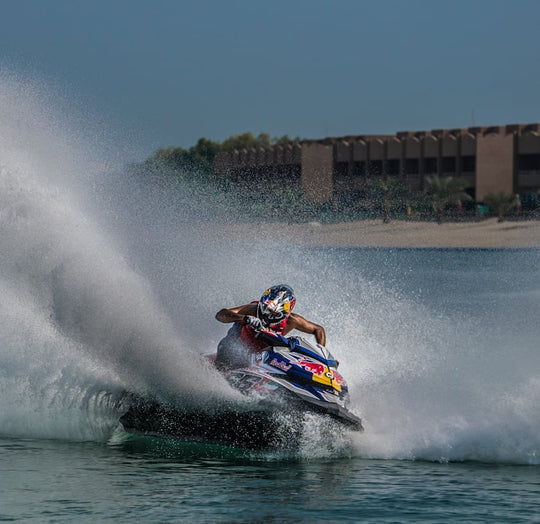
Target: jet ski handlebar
{"points": [[277, 340]]}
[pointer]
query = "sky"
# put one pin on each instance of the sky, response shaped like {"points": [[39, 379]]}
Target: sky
{"points": [[166, 73]]}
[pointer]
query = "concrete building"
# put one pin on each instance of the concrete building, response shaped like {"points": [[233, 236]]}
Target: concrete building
{"points": [[488, 159]]}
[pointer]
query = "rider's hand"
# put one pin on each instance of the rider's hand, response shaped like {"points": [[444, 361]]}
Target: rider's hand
{"points": [[254, 322]]}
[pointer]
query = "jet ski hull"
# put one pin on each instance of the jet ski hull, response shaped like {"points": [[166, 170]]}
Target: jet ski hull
{"points": [[266, 426], [243, 429]]}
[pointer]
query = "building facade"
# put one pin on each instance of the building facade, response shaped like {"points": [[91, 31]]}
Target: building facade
{"points": [[487, 159]]}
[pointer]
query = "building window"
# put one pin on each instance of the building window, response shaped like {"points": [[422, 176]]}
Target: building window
{"points": [[449, 165], [528, 163], [468, 164], [430, 166], [359, 169], [392, 167], [412, 166], [374, 168]]}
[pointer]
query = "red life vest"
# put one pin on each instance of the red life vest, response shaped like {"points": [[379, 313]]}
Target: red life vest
{"points": [[248, 338]]}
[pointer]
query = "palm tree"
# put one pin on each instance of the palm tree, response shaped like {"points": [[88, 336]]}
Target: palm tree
{"points": [[501, 203], [389, 192], [445, 191]]}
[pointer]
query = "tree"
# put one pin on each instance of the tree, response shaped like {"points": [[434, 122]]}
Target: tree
{"points": [[175, 159], [284, 140], [501, 203], [445, 191], [246, 141], [198, 160], [250, 141], [389, 192], [204, 152]]}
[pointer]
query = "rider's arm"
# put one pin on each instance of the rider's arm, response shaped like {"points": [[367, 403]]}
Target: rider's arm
{"points": [[236, 314], [301, 324]]}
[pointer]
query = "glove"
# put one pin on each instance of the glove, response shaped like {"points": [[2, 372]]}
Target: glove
{"points": [[254, 322], [293, 342]]}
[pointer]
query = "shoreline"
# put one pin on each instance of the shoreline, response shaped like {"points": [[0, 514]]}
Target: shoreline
{"points": [[487, 233]]}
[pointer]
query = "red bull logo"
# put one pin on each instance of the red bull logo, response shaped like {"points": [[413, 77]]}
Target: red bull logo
{"points": [[312, 367], [280, 364], [338, 378]]}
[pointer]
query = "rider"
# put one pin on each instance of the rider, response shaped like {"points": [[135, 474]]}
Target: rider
{"points": [[272, 312]]}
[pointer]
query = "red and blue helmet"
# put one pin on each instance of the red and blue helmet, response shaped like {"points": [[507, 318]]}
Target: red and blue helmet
{"points": [[276, 304]]}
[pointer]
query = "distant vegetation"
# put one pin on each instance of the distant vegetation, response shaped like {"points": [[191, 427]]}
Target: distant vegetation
{"points": [[199, 158], [444, 192], [190, 172], [502, 203]]}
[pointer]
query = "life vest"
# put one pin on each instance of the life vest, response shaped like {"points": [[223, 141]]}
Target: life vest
{"points": [[249, 339]]}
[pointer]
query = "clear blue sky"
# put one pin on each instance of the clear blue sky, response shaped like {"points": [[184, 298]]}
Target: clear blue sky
{"points": [[169, 72]]}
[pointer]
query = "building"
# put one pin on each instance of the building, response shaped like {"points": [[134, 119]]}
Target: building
{"points": [[487, 159]]}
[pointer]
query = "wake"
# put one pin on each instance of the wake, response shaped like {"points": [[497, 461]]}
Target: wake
{"points": [[79, 326]]}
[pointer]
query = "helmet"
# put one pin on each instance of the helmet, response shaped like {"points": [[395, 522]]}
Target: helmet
{"points": [[276, 304]]}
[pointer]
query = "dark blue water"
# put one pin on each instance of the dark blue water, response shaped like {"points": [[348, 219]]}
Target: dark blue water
{"points": [[46, 481], [108, 286]]}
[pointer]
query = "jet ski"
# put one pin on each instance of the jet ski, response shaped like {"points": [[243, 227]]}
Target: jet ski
{"points": [[286, 382]]}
